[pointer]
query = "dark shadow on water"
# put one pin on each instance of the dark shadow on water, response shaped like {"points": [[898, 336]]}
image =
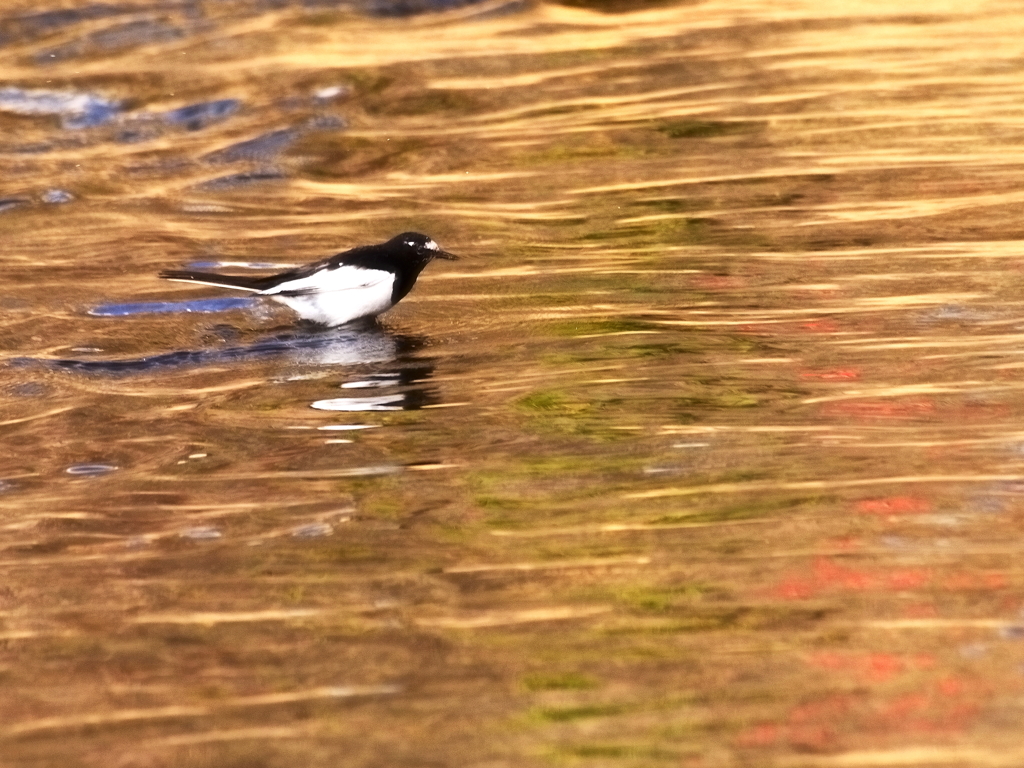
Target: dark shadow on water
{"points": [[354, 344]]}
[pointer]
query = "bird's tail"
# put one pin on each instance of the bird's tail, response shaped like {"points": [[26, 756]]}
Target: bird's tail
{"points": [[238, 282]]}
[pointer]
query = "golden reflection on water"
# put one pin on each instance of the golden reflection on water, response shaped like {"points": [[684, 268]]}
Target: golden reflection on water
{"points": [[708, 451]]}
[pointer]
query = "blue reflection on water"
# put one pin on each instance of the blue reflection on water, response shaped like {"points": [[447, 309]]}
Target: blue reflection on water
{"points": [[90, 470], [76, 109], [163, 307], [196, 116]]}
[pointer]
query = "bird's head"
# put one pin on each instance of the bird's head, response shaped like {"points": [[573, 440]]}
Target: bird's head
{"points": [[421, 247]]}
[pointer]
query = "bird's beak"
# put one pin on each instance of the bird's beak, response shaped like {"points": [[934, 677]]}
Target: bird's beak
{"points": [[446, 255]]}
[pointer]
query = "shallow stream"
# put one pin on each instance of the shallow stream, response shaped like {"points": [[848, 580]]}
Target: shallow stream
{"points": [[708, 452]]}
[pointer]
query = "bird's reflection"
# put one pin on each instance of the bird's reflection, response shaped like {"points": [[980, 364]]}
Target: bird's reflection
{"points": [[349, 345], [393, 391], [352, 345]]}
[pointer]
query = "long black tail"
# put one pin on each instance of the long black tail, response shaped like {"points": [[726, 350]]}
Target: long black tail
{"points": [[222, 281]]}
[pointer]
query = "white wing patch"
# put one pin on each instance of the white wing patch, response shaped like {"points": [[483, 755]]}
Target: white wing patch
{"points": [[343, 278], [336, 296]]}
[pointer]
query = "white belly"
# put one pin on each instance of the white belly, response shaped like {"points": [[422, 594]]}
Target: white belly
{"points": [[337, 296]]}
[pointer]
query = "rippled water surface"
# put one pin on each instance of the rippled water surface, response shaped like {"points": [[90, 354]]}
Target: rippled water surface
{"points": [[708, 452]]}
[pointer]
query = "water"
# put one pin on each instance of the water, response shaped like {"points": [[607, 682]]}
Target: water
{"points": [[706, 453]]}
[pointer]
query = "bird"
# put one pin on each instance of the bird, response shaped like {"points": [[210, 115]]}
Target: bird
{"points": [[359, 283]]}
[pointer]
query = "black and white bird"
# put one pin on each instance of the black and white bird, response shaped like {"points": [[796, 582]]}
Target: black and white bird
{"points": [[362, 282]]}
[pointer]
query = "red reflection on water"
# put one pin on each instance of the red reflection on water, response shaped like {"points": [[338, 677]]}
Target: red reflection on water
{"points": [[827, 575], [949, 705], [820, 326], [832, 374], [870, 667], [965, 580], [894, 505], [880, 409], [777, 329]]}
